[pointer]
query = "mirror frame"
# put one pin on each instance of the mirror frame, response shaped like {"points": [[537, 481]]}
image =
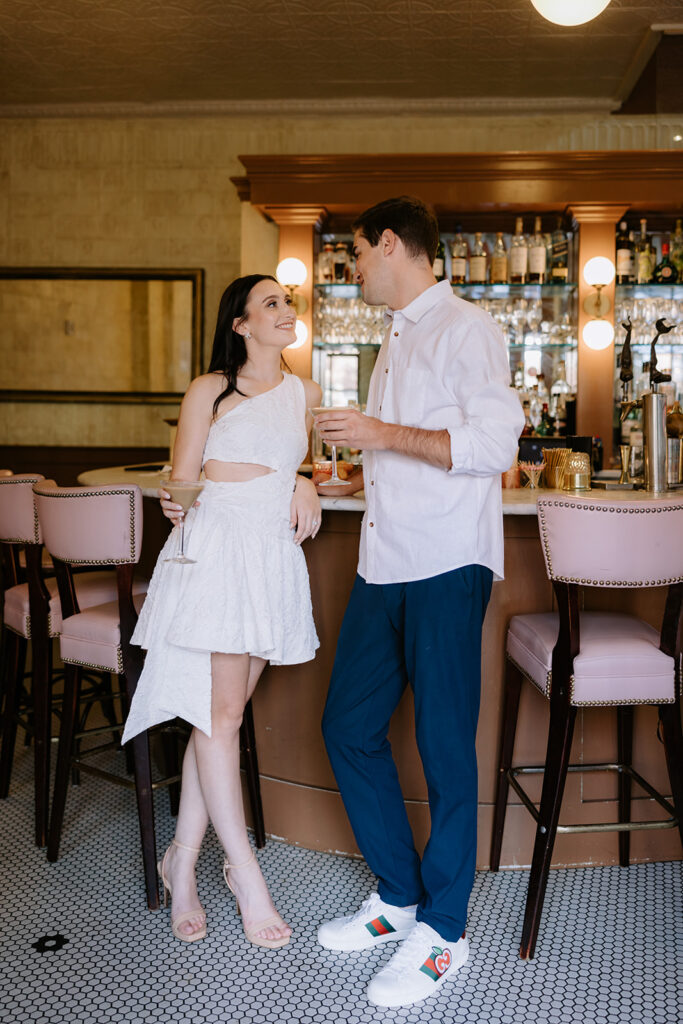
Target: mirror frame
{"points": [[195, 276]]}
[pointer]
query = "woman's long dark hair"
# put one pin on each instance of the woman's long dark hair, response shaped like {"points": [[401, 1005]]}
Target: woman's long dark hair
{"points": [[229, 352]]}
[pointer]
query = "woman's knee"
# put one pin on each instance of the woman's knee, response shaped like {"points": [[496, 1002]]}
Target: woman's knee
{"points": [[226, 719]]}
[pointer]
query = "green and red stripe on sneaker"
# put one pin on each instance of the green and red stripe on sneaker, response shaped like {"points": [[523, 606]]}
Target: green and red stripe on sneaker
{"points": [[380, 926]]}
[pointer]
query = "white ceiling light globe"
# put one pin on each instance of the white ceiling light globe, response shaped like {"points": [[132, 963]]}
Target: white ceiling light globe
{"points": [[598, 271], [301, 335], [291, 272], [598, 334], [570, 12]]}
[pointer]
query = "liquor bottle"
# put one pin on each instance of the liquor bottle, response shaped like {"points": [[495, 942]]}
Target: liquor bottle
{"points": [[325, 264], [559, 263], [677, 249], [626, 268], [665, 271], [528, 427], [535, 407], [499, 261], [439, 264], [340, 261], [543, 395], [643, 256], [559, 392], [459, 259], [545, 427], [518, 255], [478, 261], [537, 255]]}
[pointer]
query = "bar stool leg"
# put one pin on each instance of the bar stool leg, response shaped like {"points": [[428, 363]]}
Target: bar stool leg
{"points": [[41, 687], [145, 802], [625, 758], [169, 747], [672, 733], [513, 685], [14, 662], [72, 686], [556, 763], [248, 740]]}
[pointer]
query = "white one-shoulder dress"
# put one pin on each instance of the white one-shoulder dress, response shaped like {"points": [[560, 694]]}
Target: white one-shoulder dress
{"points": [[248, 591]]}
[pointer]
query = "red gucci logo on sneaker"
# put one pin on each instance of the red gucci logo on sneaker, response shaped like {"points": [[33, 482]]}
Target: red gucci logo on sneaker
{"points": [[437, 963], [443, 962]]}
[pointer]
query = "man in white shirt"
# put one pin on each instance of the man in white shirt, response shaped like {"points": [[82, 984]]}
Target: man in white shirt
{"points": [[442, 424]]}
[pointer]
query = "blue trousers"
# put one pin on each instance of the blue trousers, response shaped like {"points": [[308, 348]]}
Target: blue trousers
{"points": [[426, 633]]}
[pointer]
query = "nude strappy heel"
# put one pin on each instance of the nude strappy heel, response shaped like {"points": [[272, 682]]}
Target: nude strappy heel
{"points": [[251, 933], [182, 918]]}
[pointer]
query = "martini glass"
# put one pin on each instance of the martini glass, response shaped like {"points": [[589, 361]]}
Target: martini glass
{"points": [[335, 479], [184, 493]]}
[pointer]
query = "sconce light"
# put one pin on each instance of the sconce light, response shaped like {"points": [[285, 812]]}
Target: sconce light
{"points": [[291, 274], [598, 334], [301, 335], [570, 12], [598, 273]]}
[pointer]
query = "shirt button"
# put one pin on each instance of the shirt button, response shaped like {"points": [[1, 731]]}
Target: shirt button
{"points": [[387, 370], [372, 483], [396, 334], [372, 524]]}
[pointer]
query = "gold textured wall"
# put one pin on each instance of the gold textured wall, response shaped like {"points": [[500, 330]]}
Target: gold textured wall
{"points": [[156, 192]]}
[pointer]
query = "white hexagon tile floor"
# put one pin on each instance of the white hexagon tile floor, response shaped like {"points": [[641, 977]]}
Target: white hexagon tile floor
{"points": [[610, 949]]}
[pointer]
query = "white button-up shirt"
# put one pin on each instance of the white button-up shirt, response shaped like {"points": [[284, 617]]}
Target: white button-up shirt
{"points": [[443, 365]]}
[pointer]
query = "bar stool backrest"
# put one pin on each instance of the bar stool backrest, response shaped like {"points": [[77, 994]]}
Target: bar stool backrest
{"points": [[598, 543], [91, 525], [18, 516]]}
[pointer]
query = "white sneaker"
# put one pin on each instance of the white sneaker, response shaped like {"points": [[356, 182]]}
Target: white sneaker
{"points": [[376, 922], [418, 968]]}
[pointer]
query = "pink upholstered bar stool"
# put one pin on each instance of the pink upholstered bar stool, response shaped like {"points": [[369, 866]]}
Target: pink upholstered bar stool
{"points": [[32, 612], [583, 659], [98, 526]]}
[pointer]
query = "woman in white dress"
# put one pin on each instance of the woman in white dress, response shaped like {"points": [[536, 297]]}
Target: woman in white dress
{"points": [[210, 627]]}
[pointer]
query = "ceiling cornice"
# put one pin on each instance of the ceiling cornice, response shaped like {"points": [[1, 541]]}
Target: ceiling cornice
{"points": [[349, 107]]}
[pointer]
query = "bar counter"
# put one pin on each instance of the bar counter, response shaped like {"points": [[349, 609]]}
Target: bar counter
{"points": [[300, 798]]}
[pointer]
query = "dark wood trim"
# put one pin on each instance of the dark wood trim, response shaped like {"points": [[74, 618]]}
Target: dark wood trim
{"points": [[64, 463], [343, 183]]}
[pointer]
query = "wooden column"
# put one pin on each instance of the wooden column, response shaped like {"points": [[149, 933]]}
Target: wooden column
{"points": [[595, 368], [297, 226]]}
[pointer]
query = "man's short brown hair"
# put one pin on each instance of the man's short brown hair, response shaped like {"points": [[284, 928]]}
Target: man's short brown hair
{"points": [[409, 218]]}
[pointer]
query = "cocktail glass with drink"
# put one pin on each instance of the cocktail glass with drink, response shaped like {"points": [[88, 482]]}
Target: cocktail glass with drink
{"points": [[183, 493], [335, 480]]}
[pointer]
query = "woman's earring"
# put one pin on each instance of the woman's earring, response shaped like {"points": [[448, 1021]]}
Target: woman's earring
{"points": [[247, 335]]}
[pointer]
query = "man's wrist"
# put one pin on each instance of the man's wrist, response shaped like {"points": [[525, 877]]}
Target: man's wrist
{"points": [[389, 436]]}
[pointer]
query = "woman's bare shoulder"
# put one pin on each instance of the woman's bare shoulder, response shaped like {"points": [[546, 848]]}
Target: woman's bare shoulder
{"points": [[203, 391]]}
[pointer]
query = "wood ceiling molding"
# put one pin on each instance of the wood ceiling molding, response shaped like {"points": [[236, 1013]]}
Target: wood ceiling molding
{"points": [[346, 183]]}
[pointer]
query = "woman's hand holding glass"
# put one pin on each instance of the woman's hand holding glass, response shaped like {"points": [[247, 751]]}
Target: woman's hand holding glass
{"points": [[182, 496]]}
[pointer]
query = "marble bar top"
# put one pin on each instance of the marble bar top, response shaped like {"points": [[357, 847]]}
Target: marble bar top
{"points": [[516, 501]]}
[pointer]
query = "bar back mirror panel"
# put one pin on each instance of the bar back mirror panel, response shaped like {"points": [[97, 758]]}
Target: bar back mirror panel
{"points": [[77, 334]]}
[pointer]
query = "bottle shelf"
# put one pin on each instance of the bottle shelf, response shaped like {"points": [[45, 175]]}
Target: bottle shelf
{"points": [[530, 289], [643, 291], [352, 291], [350, 347]]}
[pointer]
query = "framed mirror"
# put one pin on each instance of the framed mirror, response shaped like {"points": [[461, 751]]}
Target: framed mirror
{"points": [[99, 335]]}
